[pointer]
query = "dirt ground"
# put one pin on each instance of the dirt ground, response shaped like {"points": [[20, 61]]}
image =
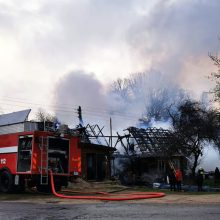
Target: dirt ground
{"points": [[167, 199], [32, 196]]}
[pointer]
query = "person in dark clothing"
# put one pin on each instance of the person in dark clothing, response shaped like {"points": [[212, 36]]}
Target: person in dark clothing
{"points": [[200, 178], [172, 180], [217, 175]]}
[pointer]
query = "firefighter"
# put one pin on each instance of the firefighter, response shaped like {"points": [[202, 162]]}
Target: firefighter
{"points": [[200, 178], [217, 175], [179, 178]]}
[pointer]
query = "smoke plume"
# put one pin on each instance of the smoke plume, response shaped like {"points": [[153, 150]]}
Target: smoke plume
{"points": [[175, 37], [126, 100]]}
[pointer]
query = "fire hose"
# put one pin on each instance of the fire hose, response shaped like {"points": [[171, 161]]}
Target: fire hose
{"points": [[107, 196]]}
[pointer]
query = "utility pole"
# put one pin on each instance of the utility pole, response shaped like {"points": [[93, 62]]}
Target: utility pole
{"points": [[79, 111], [110, 132]]}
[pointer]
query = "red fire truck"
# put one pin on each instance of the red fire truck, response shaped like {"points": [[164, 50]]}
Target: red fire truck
{"points": [[28, 151]]}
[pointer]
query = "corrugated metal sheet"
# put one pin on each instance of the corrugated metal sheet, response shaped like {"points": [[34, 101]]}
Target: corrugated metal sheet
{"points": [[9, 129], [14, 117], [31, 126], [20, 127]]}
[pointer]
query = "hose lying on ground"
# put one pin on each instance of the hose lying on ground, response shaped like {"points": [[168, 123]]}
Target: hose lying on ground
{"points": [[107, 196]]}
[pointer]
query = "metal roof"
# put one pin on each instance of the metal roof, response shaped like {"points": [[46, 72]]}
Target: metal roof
{"points": [[14, 117]]}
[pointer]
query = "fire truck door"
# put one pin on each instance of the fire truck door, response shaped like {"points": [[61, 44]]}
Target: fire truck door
{"points": [[24, 153]]}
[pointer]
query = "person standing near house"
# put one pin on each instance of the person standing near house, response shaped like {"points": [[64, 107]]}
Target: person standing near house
{"points": [[179, 179], [200, 178], [217, 176], [172, 180]]}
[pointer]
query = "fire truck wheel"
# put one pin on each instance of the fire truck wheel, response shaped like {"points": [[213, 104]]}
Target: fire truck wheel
{"points": [[6, 181]]}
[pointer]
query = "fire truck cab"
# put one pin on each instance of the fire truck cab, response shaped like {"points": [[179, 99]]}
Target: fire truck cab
{"points": [[28, 151]]}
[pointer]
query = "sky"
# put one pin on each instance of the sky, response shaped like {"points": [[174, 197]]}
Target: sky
{"points": [[58, 55], [46, 43]]}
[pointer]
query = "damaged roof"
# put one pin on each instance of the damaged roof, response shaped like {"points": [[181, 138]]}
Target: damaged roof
{"points": [[154, 141]]}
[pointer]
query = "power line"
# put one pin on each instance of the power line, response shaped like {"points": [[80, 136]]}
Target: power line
{"points": [[69, 110], [65, 107], [86, 112]]}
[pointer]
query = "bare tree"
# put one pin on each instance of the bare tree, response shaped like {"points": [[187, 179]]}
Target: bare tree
{"points": [[151, 88], [216, 92], [43, 116], [216, 76], [195, 126]]}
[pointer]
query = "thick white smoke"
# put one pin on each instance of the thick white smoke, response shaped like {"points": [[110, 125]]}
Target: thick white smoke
{"points": [[176, 37], [98, 104], [171, 36], [78, 89], [143, 92]]}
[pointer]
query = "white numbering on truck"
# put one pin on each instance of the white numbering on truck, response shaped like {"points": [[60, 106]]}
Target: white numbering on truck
{"points": [[3, 161]]}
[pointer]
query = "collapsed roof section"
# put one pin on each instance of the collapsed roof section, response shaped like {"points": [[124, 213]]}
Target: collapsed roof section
{"points": [[151, 141], [91, 134]]}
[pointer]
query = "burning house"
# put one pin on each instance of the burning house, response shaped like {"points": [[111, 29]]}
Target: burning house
{"points": [[149, 153], [96, 153]]}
